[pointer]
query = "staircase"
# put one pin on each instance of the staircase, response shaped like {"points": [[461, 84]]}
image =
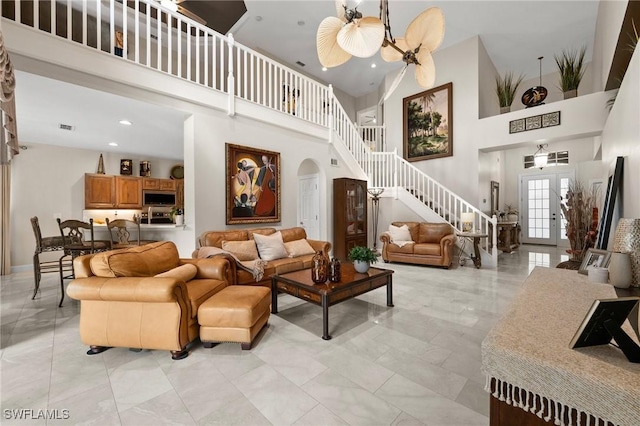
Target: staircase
{"points": [[162, 40]]}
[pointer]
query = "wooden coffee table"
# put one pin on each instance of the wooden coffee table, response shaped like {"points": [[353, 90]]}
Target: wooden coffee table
{"points": [[300, 285]]}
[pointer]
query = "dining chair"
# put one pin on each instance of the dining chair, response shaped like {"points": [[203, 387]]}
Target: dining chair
{"points": [[75, 244], [121, 232], [46, 245]]}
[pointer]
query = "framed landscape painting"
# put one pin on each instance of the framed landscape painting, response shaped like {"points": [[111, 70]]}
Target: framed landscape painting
{"points": [[428, 124], [253, 185]]}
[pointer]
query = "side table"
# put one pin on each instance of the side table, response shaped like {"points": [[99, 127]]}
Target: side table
{"points": [[475, 238]]}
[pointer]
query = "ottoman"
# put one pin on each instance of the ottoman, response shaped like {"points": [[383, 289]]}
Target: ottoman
{"points": [[236, 313]]}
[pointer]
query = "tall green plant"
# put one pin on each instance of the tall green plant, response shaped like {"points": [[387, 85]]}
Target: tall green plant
{"points": [[506, 88], [571, 66]]}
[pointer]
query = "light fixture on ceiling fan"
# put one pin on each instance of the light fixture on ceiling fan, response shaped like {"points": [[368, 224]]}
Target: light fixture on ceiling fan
{"points": [[351, 34], [175, 6]]}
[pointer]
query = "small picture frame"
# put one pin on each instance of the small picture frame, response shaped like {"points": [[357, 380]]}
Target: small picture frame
{"points": [[594, 258], [126, 167]]}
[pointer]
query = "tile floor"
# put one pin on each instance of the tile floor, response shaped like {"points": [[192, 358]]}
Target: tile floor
{"points": [[417, 363]]}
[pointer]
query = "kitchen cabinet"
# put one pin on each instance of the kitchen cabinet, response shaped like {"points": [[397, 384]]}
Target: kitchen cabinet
{"points": [[180, 193], [159, 184], [128, 192], [112, 192], [99, 191], [349, 215]]}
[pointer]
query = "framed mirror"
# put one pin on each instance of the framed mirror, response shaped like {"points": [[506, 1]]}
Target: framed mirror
{"points": [[495, 197]]}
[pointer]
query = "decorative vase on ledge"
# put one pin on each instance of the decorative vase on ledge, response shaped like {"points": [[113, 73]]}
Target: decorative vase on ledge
{"points": [[571, 94], [504, 110]]}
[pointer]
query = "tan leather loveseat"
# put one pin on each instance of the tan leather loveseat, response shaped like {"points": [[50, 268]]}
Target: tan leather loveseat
{"points": [[432, 244], [292, 262], [144, 297]]}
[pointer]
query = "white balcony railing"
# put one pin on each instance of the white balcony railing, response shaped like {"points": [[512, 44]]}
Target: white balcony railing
{"points": [[148, 34]]}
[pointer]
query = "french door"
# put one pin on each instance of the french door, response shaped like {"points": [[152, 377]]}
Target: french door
{"points": [[541, 196]]}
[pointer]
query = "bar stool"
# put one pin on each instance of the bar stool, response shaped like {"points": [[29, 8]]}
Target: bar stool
{"points": [[72, 233], [45, 245], [121, 230]]}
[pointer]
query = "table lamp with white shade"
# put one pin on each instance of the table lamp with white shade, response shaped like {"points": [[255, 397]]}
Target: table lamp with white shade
{"points": [[468, 220]]}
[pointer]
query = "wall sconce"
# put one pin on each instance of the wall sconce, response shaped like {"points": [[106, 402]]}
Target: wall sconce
{"points": [[541, 156], [468, 220]]}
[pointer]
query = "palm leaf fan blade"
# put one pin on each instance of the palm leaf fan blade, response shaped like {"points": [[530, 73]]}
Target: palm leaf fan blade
{"points": [[340, 9], [330, 53], [426, 71], [362, 39], [389, 54], [394, 84], [426, 30]]}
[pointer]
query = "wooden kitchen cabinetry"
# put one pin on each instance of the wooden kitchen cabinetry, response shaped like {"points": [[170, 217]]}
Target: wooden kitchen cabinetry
{"points": [[99, 191], [109, 192], [349, 215], [180, 193], [128, 192], [159, 184]]}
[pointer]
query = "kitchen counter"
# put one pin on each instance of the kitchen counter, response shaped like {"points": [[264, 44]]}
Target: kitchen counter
{"points": [[152, 226]]}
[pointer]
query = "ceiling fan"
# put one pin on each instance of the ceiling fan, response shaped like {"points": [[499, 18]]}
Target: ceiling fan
{"points": [[175, 5], [351, 34]]}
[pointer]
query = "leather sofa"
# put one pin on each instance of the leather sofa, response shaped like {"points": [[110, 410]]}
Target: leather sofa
{"points": [[144, 297], [432, 244], [277, 266]]}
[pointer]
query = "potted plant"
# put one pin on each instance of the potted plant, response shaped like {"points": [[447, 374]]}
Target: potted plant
{"points": [[571, 67], [511, 212], [506, 90], [362, 258], [177, 215]]}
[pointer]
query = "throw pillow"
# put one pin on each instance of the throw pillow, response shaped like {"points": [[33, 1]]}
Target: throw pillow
{"points": [[184, 272], [399, 233], [270, 247], [243, 250], [299, 248]]}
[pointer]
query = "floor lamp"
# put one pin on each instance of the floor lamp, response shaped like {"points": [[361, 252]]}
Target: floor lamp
{"points": [[375, 198]]}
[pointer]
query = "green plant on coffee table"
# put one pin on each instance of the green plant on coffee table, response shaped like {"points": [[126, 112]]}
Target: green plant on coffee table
{"points": [[363, 254]]}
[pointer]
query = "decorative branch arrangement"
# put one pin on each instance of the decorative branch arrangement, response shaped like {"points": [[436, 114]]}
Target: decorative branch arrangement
{"points": [[581, 213]]}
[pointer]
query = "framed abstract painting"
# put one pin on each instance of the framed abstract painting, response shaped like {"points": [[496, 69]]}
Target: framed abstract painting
{"points": [[428, 124], [253, 185]]}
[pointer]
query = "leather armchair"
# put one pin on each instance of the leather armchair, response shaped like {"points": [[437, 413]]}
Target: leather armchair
{"points": [[432, 244], [135, 309]]}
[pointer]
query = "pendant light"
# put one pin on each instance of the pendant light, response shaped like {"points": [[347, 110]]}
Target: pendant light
{"points": [[537, 94]]}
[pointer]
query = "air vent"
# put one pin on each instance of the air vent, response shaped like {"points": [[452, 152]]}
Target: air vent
{"points": [[153, 36], [334, 161], [65, 127], [302, 64]]}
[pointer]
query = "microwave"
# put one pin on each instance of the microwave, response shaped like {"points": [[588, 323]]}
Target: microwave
{"points": [[158, 198]]}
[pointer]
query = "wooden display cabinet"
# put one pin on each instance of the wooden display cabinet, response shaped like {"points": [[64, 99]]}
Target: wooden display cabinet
{"points": [[349, 215]]}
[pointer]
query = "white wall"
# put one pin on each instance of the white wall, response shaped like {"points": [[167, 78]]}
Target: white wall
{"points": [[621, 138], [457, 64], [610, 17], [47, 179], [488, 100], [579, 156], [212, 129]]}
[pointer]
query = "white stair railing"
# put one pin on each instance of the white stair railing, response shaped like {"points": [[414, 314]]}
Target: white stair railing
{"points": [[146, 33]]}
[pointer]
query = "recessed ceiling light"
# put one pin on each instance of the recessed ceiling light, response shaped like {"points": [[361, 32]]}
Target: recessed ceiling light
{"points": [[126, 122], [373, 65], [301, 23], [258, 18], [324, 68], [113, 144]]}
